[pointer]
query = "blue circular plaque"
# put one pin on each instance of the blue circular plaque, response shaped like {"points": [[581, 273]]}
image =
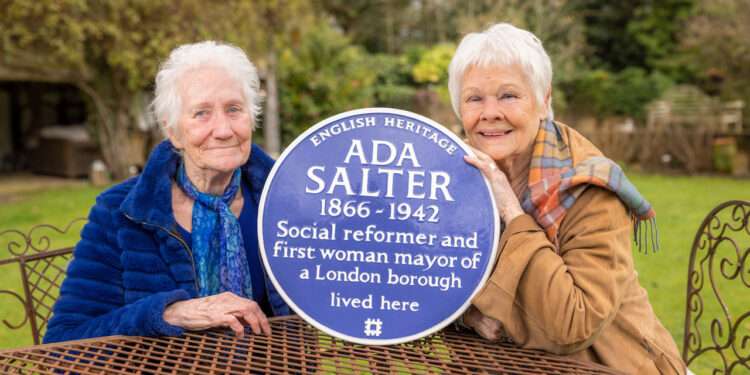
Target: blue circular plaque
{"points": [[374, 229]]}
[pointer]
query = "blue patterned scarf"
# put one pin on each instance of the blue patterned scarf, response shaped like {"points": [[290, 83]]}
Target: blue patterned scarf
{"points": [[217, 240]]}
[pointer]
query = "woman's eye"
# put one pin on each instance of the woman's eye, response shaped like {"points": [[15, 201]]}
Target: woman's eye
{"points": [[473, 98], [508, 95], [201, 113], [234, 109]]}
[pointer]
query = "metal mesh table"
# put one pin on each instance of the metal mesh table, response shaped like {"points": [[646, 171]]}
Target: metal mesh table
{"points": [[295, 347]]}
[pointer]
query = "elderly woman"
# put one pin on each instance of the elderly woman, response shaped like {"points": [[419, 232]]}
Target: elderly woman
{"points": [[176, 247], [564, 280]]}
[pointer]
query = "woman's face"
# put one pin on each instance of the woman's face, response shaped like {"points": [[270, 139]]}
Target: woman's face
{"points": [[499, 111], [214, 128]]}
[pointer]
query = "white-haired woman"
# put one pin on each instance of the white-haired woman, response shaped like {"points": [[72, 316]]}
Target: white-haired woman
{"points": [[564, 280], [175, 248]]}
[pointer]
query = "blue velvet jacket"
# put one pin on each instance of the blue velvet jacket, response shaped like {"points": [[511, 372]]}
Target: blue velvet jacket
{"points": [[131, 262]]}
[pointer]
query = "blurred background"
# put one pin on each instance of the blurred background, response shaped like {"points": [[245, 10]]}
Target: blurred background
{"points": [[629, 74], [661, 86]]}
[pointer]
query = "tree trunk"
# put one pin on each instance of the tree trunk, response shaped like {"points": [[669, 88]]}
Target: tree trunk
{"points": [[113, 123], [116, 150], [271, 128]]}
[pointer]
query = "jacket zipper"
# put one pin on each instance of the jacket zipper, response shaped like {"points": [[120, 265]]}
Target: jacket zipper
{"points": [[179, 239]]}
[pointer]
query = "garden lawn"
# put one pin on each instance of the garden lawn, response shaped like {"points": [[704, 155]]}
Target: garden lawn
{"points": [[681, 204], [23, 211]]}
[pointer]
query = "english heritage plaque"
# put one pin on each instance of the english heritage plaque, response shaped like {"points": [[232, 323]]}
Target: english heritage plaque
{"points": [[374, 229]]}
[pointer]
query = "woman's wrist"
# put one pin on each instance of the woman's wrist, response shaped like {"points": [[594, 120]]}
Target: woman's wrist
{"points": [[172, 314], [511, 213]]}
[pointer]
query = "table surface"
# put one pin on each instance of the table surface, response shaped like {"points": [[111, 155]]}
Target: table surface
{"points": [[294, 347]]}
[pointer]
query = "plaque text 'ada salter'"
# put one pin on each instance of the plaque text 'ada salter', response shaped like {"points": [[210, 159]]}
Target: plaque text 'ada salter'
{"points": [[373, 227]]}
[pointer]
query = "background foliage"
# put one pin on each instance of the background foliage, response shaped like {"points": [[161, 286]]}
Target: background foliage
{"points": [[320, 58], [323, 74]]}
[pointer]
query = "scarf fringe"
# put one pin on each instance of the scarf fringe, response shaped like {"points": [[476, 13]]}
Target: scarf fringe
{"points": [[645, 234]]}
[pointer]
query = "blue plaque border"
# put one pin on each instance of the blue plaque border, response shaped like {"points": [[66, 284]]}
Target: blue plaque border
{"points": [[264, 196]]}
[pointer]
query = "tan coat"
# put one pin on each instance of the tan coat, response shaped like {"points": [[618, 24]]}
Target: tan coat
{"points": [[586, 302]]}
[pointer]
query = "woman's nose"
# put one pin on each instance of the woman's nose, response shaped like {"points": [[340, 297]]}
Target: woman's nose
{"points": [[491, 110], [222, 126]]}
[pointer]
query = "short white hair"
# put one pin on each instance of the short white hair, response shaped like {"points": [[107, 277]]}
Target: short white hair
{"points": [[167, 103], [502, 44]]}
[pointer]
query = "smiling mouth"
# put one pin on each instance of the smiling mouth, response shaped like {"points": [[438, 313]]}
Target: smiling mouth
{"points": [[495, 133], [220, 147]]}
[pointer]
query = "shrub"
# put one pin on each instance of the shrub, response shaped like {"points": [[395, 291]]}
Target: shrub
{"points": [[602, 93]]}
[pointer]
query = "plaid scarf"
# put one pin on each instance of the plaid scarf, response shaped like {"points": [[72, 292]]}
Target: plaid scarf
{"points": [[555, 184]]}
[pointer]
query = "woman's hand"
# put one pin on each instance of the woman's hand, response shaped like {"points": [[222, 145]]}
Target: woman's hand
{"points": [[221, 310], [505, 199], [485, 326]]}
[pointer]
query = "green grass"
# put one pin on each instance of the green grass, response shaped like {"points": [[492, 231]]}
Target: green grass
{"points": [[22, 212], [681, 204]]}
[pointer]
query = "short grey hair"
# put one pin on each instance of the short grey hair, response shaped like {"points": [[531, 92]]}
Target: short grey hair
{"points": [[502, 44], [167, 103]]}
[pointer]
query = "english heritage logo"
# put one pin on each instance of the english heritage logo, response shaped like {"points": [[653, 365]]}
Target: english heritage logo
{"points": [[374, 229]]}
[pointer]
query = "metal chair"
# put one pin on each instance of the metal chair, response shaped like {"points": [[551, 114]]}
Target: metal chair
{"points": [[42, 269], [717, 325]]}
